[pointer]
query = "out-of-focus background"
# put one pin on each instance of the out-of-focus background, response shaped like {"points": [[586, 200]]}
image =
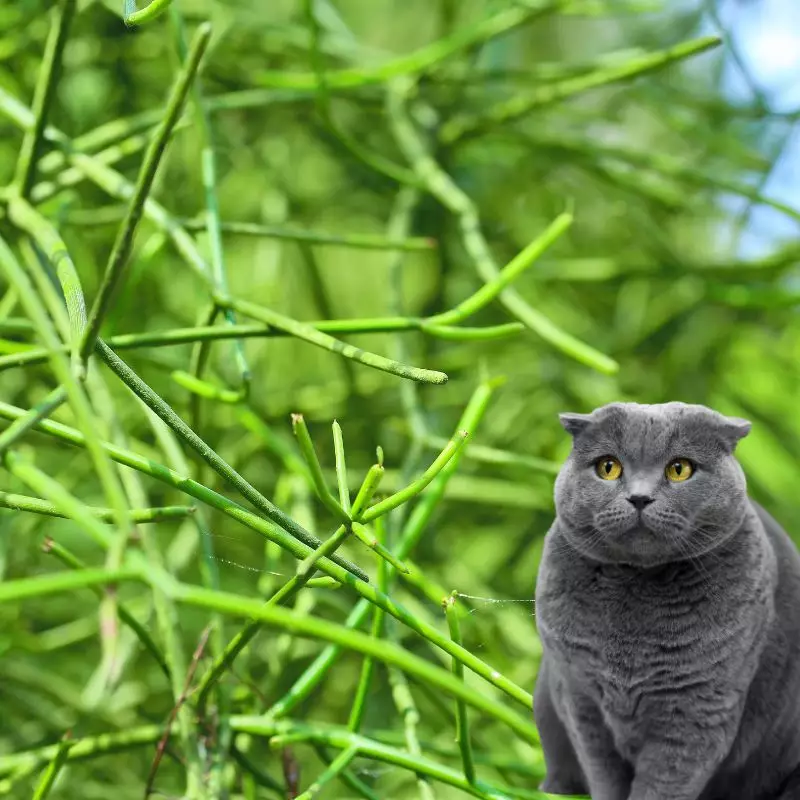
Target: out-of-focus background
{"points": [[681, 266]]}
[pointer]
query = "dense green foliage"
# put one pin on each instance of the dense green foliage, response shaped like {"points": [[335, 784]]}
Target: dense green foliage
{"points": [[374, 163]]}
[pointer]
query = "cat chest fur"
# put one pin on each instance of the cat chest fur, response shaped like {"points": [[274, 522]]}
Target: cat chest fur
{"points": [[651, 651]]}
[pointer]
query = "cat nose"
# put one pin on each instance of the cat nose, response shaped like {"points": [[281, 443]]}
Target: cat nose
{"points": [[639, 501]]}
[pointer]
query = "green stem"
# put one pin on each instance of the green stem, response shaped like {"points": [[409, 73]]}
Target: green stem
{"points": [[52, 246], [28, 761], [314, 336], [338, 765], [462, 720], [120, 253], [341, 738], [141, 633], [505, 276], [36, 414], [445, 190], [414, 530], [387, 652], [368, 488], [523, 103], [150, 12], [341, 468], [310, 455], [216, 462], [213, 221], [301, 578], [34, 505], [418, 62], [376, 631], [50, 774], [43, 96], [414, 488]]}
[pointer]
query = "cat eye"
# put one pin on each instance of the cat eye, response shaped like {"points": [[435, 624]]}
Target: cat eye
{"points": [[608, 468], [681, 469]]}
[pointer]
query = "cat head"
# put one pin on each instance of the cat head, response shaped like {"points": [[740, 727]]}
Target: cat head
{"points": [[651, 484]]}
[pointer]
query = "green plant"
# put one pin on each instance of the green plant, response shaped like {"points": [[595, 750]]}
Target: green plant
{"points": [[148, 600]]}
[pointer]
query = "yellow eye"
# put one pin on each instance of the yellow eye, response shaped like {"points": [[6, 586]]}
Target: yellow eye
{"points": [[608, 468], [680, 469]]}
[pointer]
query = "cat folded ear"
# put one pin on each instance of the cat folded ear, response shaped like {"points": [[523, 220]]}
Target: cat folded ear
{"points": [[732, 429], [575, 423]]}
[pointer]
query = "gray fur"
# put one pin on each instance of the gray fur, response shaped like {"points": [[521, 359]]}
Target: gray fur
{"points": [[671, 633]]}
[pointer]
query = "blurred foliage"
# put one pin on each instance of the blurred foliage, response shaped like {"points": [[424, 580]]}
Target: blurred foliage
{"points": [[649, 274]]}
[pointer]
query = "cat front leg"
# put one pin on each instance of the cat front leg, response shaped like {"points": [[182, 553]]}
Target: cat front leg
{"points": [[608, 775], [672, 771]]}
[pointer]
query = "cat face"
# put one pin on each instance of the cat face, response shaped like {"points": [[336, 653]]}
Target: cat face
{"points": [[651, 484]]}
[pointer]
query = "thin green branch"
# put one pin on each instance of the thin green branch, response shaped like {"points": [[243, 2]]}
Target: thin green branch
{"points": [[50, 774], [178, 336], [407, 709], [301, 578], [341, 738], [523, 103], [509, 273], [387, 652], [358, 241], [413, 531], [125, 616], [332, 771], [35, 414], [43, 96], [445, 190], [314, 336], [462, 720], [52, 247], [418, 62], [341, 468], [315, 470], [28, 761], [376, 631], [415, 487], [368, 488], [35, 505], [81, 408], [411, 534], [120, 253], [151, 11], [213, 221], [216, 462]]}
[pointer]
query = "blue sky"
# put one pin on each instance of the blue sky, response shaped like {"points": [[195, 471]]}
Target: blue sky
{"points": [[766, 34]]}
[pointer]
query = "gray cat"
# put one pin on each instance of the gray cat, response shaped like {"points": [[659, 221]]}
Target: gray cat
{"points": [[668, 605]]}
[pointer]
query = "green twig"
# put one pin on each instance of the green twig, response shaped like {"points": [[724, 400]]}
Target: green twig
{"points": [[52, 247], [341, 468], [414, 488], [442, 186], [43, 96], [505, 276], [331, 772], [523, 103], [462, 720], [50, 774], [35, 414], [150, 12], [216, 462], [412, 532], [34, 505], [310, 455], [314, 336], [125, 616], [120, 253]]}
